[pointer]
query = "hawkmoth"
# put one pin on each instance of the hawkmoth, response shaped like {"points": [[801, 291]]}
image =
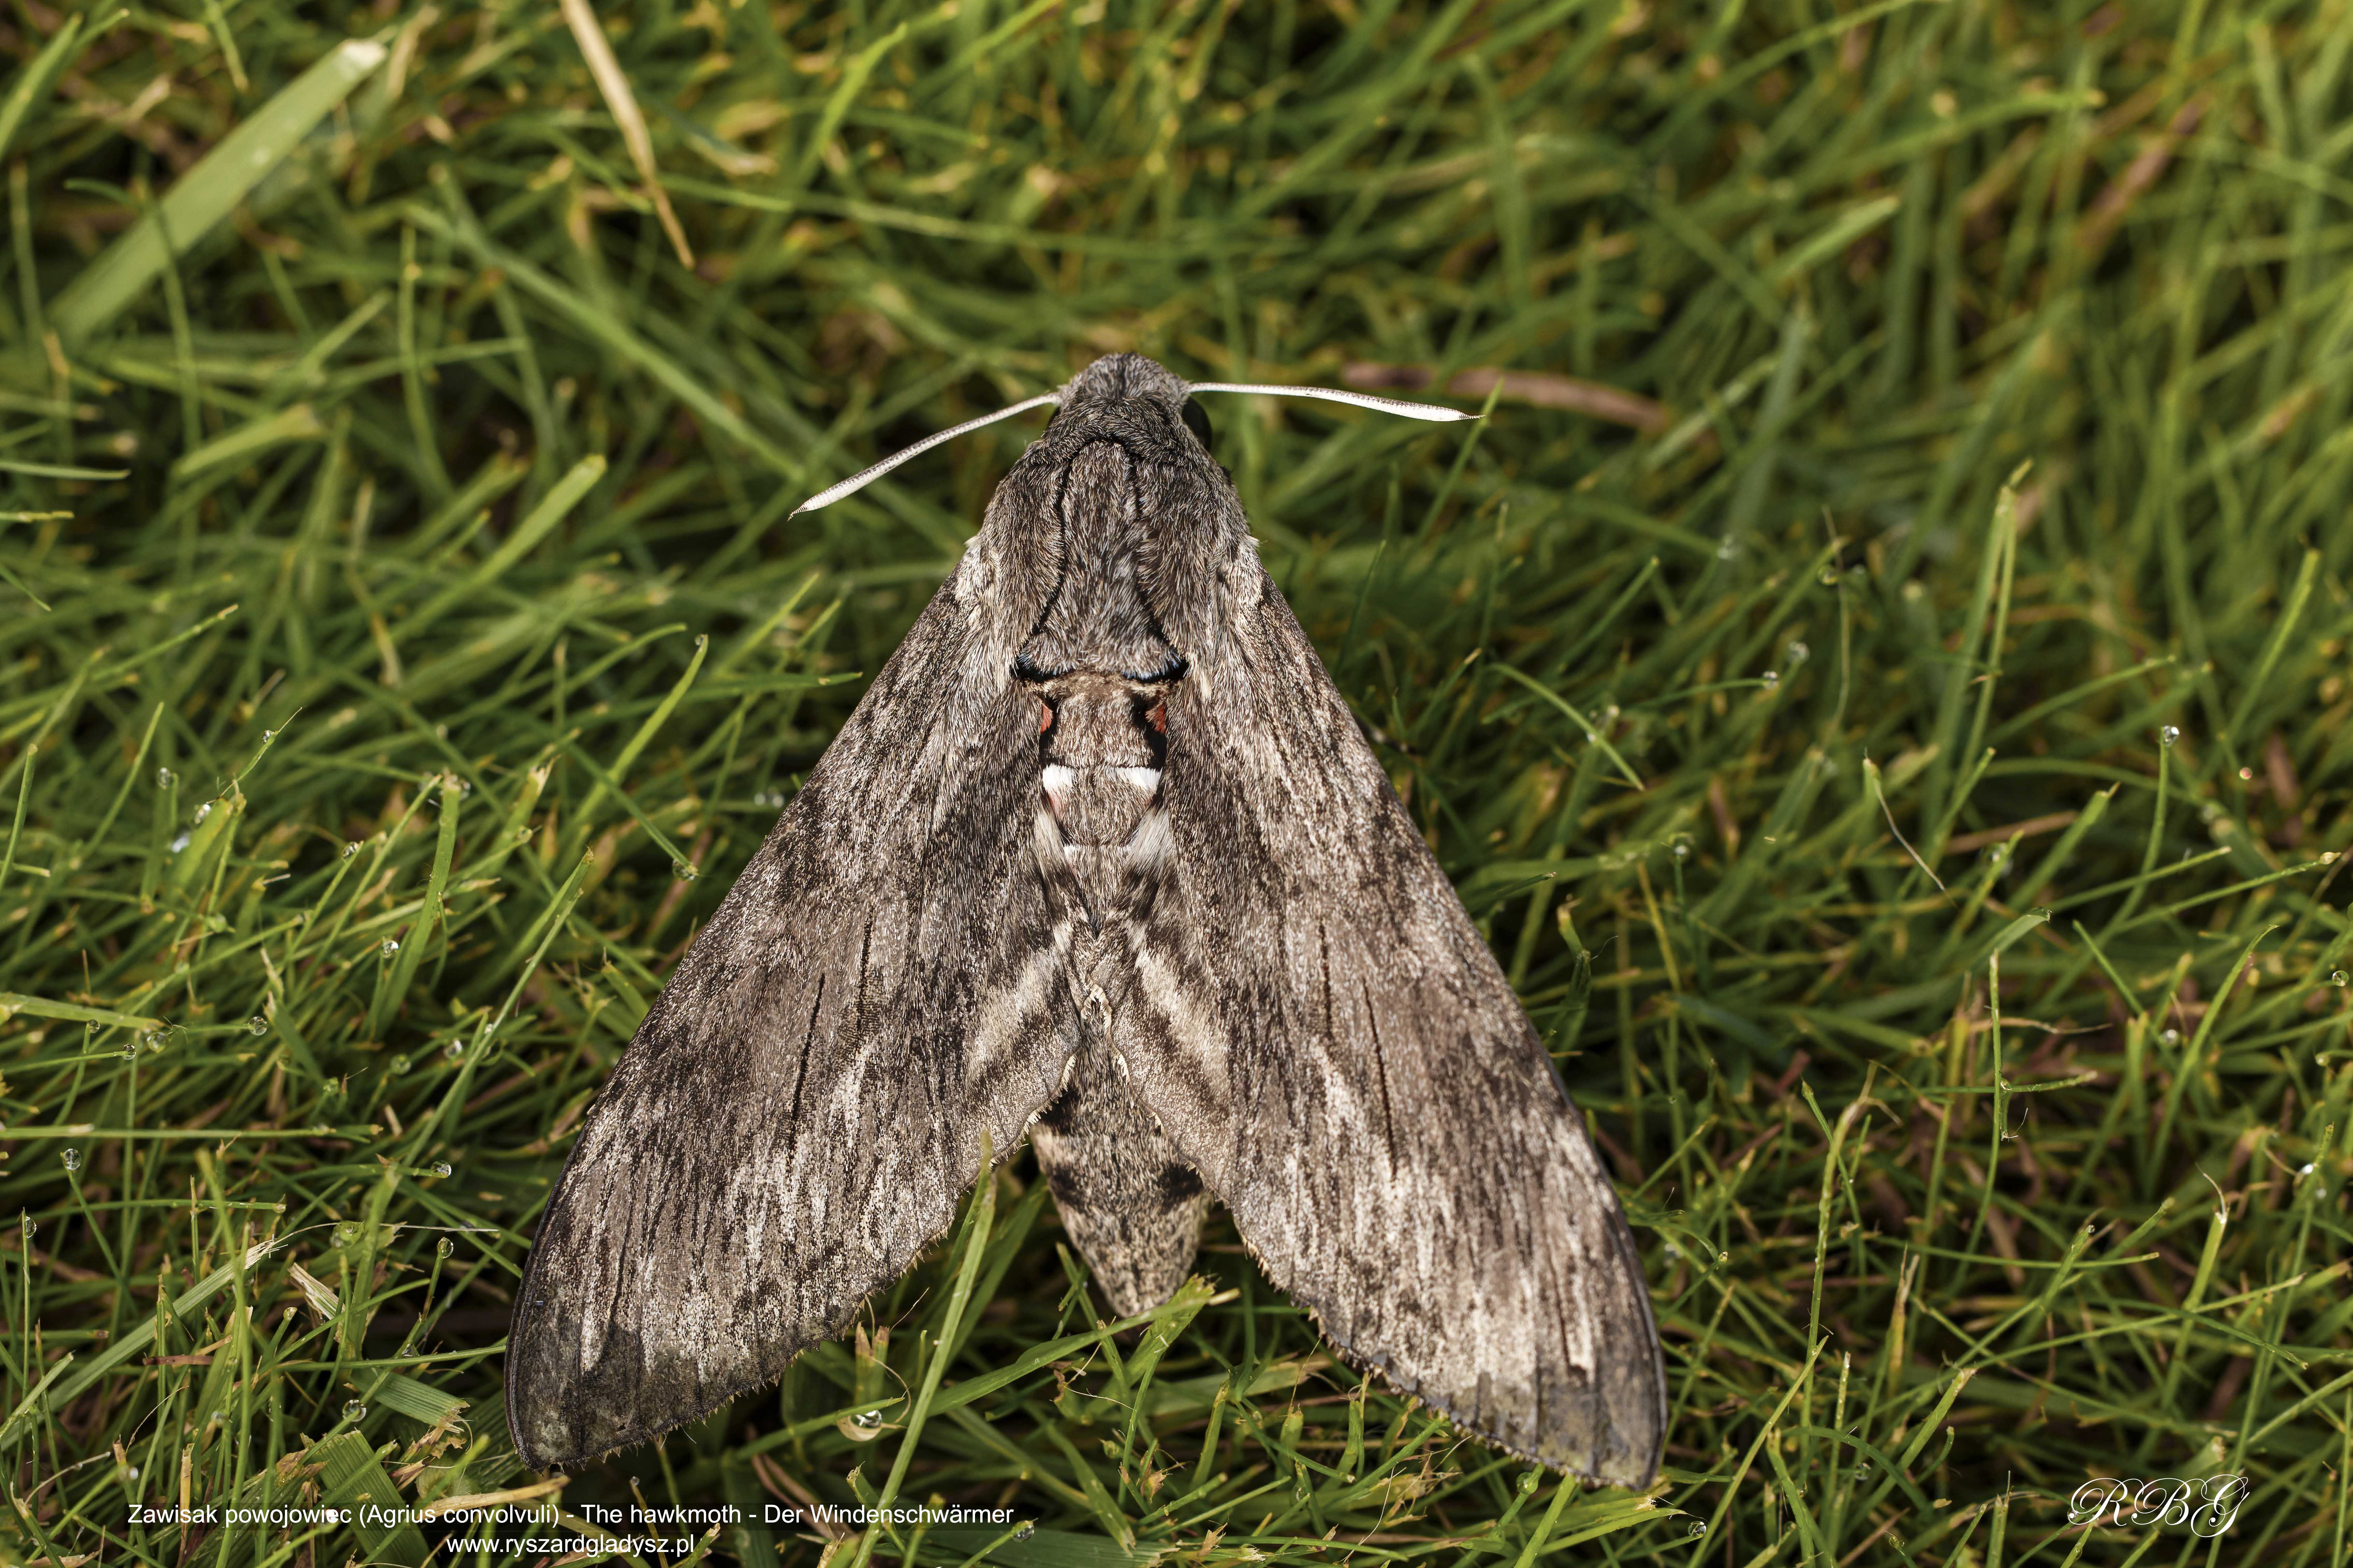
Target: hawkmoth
{"points": [[1102, 857]]}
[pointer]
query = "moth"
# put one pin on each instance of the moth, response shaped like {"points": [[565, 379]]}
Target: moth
{"points": [[1102, 857]]}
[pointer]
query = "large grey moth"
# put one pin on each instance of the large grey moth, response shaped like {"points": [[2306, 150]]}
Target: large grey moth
{"points": [[1101, 859]]}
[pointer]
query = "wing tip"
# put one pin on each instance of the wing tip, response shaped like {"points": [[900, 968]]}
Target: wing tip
{"points": [[1631, 1461]]}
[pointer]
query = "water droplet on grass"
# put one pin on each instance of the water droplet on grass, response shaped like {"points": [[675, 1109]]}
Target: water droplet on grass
{"points": [[350, 851], [397, 1066], [2337, 977], [390, 947], [1797, 653], [257, 1024], [353, 1410], [70, 1159], [682, 871], [2169, 735], [867, 1420], [165, 778], [442, 1169], [1772, 679], [443, 1248], [2171, 1036]]}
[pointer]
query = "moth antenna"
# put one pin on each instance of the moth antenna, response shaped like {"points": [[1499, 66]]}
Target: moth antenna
{"points": [[864, 477], [1429, 411]]}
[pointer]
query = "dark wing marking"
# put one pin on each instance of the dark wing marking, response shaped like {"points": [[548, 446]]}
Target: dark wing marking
{"points": [[1328, 1041], [805, 1104]]}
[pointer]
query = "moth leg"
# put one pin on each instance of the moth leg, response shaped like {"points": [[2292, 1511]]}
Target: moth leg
{"points": [[1128, 1200]]}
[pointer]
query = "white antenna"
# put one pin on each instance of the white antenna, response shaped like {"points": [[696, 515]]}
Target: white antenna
{"points": [[1429, 411], [864, 477]]}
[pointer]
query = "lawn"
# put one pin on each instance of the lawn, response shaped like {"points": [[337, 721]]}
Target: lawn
{"points": [[1877, 675]]}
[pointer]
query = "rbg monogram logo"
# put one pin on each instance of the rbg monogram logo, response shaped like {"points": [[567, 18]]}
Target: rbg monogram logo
{"points": [[2207, 1507]]}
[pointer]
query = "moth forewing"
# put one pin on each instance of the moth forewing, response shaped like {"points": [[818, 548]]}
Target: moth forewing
{"points": [[1102, 855]]}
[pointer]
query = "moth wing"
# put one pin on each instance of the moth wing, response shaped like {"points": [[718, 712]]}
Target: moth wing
{"points": [[1331, 1044], [806, 1100]]}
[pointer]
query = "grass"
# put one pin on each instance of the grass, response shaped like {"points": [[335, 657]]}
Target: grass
{"points": [[403, 644]]}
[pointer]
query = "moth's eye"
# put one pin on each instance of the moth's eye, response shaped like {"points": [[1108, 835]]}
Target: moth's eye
{"points": [[1196, 420]]}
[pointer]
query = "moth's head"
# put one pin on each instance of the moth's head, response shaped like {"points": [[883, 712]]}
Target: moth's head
{"points": [[1132, 403], [1118, 378]]}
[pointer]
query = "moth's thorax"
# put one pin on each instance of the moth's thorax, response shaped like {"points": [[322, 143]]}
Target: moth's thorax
{"points": [[1097, 614]]}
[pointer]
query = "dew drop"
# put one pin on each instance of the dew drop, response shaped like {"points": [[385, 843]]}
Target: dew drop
{"points": [[390, 947], [2169, 735], [1697, 1528], [443, 1248], [353, 1410], [455, 1050], [681, 870], [1772, 679], [2305, 1169], [30, 1224], [178, 844], [2337, 977], [1682, 851], [165, 778], [70, 1159], [1726, 550], [441, 1169], [2171, 1036], [204, 811], [1528, 1481], [1826, 577], [1797, 653], [867, 1420], [157, 1039], [1025, 1531], [257, 1024], [702, 642], [214, 1419], [346, 1233], [130, 1473], [130, 1049], [397, 1066], [350, 851]]}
